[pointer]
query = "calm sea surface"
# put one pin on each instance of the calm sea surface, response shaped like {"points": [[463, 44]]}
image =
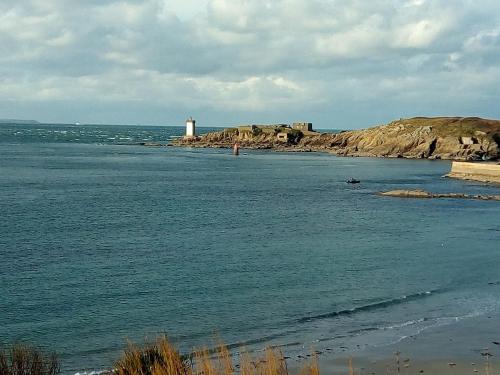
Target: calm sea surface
{"points": [[103, 241]]}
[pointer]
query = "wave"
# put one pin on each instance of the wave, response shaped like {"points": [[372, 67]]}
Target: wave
{"points": [[369, 307], [258, 340], [401, 333], [407, 323]]}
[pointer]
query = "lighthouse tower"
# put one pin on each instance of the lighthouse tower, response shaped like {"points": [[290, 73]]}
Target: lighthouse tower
{"points": [[190, 127]]}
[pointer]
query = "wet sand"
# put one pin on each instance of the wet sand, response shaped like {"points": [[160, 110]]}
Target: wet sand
{"points": [[408, 367], [470, 346]]}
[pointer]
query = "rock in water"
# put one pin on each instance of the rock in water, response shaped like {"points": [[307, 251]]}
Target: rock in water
{"points": [[426, 194]]}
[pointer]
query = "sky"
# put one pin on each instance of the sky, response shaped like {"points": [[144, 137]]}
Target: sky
{"points": [[337, 63]]}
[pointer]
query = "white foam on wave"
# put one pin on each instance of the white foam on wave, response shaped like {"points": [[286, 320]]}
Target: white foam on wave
{"points": [[405, 324], [440, 322], [94, 372]]}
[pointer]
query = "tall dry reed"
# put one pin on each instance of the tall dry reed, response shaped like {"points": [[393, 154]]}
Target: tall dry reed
{"points": [[161, 358], [27, 360]]}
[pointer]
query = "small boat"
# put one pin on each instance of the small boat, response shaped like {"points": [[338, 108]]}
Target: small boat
{"points": [[353, 181]]}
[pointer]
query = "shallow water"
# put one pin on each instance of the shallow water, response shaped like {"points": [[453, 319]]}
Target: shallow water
{"points": [[101, 242]]}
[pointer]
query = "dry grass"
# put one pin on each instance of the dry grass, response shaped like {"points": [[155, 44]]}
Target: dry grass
{"points": [[454, 126], [161, 358], [27, 360]]}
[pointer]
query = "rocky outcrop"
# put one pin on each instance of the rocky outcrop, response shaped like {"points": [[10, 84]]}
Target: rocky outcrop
{"points": [[426, 194], [457, 138]]}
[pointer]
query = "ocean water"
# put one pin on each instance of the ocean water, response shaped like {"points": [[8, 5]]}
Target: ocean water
{"points": [[104, 241]]}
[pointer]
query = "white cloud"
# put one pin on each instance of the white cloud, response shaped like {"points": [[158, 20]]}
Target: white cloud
{"points": [[64, 39], [484, 40], [258, 55], [419, 34]]}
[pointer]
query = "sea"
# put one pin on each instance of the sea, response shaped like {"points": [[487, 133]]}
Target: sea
{"points": [[104, 241]]}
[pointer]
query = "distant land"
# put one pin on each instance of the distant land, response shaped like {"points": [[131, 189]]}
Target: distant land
{"points": [[17, 121], [453, 138]]}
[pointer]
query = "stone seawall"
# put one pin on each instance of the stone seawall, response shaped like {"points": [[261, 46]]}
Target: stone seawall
{"points": [[484, 172]]}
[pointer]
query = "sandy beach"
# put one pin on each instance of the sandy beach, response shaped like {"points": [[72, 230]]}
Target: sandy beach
{"points": [[470, 346]]}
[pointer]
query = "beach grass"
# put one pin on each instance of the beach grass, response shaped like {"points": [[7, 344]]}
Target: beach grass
{"points": [[162, 358], [23, 359]]}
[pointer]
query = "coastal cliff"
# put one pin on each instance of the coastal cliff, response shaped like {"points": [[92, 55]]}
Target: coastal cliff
{"points": [[457, 138]]}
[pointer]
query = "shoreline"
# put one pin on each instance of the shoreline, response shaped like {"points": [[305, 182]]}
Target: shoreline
{"points": [[450, 138], [406, 366], [459, 348], [462, 343], [455, 349]]}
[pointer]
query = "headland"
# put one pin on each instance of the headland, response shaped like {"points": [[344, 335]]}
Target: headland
{"points": [[18, 121], [452, 138]]}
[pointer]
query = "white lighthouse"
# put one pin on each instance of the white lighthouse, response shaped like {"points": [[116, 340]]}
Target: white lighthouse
{"points": [[190, 127]]}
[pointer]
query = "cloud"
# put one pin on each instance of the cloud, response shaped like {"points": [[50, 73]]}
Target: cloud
{"points": [[272, 57]]}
